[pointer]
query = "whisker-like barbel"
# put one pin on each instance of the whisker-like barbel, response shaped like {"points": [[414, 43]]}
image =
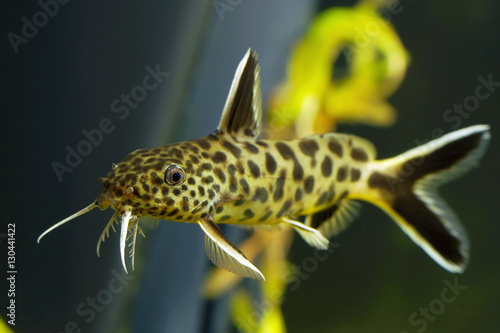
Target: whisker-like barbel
{"points": [[69, 218]]}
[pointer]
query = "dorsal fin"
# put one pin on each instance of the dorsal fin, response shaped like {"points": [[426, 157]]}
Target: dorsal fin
{"points": [[242, 114]]}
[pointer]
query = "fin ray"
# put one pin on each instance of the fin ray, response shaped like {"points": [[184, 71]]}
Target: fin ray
{"points": [[224, 254], [311, 236], [105, 232], [242, 113], [335, 219]]}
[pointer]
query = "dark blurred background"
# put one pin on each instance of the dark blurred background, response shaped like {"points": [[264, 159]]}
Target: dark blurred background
{"points": [[66, 76]]}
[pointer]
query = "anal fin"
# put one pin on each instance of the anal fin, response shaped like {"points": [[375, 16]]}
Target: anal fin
{"points": [[224, 254], [311, 236], [334, 219]]}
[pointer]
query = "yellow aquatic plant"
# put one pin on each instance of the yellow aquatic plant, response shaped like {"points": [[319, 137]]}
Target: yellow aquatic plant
{"points": [[314, 98]]}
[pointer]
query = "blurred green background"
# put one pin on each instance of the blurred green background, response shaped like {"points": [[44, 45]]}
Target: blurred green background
{"points": [[65, 78]]}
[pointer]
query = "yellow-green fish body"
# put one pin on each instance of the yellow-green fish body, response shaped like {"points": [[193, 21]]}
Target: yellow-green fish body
{"points": [[232, 176]]}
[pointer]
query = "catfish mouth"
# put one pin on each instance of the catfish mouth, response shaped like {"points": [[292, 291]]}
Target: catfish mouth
{"points": [[129, 221]]}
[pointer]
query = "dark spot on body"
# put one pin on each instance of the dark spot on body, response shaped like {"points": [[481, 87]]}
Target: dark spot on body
{"points": [[240, 168], [355, 174], [220, 174], [191, 181], [194, 159], [262, 143], [206, 166], [244, 185], [248, 213], [192, 193], [285, 151], [270, 163], [322, 199], [309, 147], [157, 181], [203, 143], [194, 149], [336, 148], [280, 184], [219, 209], [251, 147], [232, 148], [261, 194], [219, 157], [254, 168], [211, 194], [201, 189], [309, 184], [231, 169], [378, 180], [137, 161], [207, 180], [224, 218], [233, 185], [326, 166], [177, 153], [342, 173], [172, 213], [358, 154], [266, 216], [286, 206], [298, 194], [298, 171], [176, 191], [239, 202]]}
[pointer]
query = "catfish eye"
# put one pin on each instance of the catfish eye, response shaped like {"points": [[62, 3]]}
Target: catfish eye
{"points": [[174, 175]]}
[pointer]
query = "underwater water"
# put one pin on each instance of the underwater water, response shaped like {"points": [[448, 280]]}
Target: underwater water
{"points": [[67, 118]]}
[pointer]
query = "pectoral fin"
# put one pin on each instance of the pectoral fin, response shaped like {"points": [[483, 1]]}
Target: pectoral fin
{"points": [[312, 236], [224, 254]]}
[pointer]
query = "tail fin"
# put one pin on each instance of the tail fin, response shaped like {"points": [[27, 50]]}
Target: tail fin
{"points": [[405, 188]]}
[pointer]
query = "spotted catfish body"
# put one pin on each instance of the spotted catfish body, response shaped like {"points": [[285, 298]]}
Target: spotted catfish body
{"points": [[232, 176]]}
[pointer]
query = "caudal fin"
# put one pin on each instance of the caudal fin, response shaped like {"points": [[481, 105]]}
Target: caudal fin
{"points": [[405, 188]]}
